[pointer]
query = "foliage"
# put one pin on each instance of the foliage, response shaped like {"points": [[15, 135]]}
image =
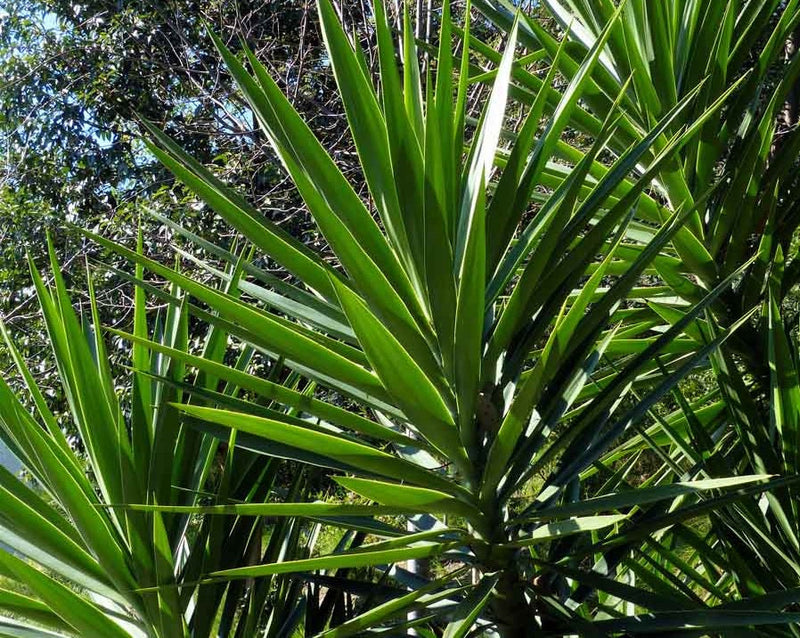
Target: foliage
{"points": [[74, 77], [510, 334], [83, 566], [748, 157]]}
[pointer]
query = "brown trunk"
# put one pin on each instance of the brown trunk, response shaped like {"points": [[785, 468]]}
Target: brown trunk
{"points": [[512, 612]]}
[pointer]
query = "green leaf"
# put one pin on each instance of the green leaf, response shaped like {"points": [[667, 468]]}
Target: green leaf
{"points": [[278, 334], [637, 497], [366, 557], [483, 152], [342, 217], [232, 207], [569, 527], [416, 498], [33, 610], [387, 610], [279, 393], [34, 529], [303, 509], [694, 620], [470, 608], [413, 391], [366, 124], [363, 457], [86, 618], [784, 385]]}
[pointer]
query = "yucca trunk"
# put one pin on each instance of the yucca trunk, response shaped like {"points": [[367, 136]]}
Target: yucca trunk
{"points": [[512, 612]]}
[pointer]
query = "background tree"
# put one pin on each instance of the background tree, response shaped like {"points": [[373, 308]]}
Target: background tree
{"points": [[77, 76]]}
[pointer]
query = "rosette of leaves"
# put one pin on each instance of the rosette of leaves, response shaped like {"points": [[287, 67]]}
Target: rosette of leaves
{"points": [[488, 332]]}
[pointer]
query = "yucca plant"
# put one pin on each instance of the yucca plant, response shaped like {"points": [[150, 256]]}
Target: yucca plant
{"points": [[748, 153], [75, 561], [491, 335], [487, 368], [761, 543], [657, 54]]}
